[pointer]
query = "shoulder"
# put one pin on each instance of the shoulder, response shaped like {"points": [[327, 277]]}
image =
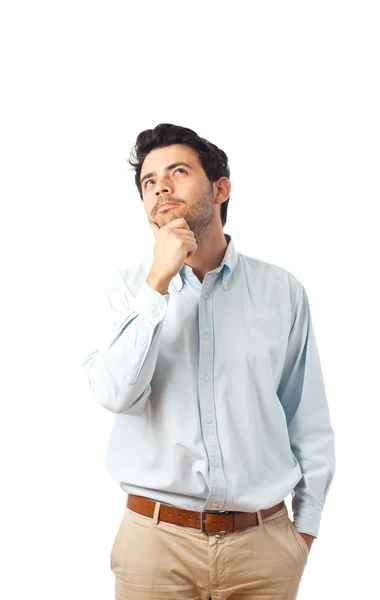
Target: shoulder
{"points": [[272, 276], [127, 279]]}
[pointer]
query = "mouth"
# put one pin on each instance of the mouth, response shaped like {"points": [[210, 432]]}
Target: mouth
{"points": [[167, 205]]}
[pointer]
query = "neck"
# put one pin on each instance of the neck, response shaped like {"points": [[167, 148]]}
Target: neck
{"points": [[209, 255]]}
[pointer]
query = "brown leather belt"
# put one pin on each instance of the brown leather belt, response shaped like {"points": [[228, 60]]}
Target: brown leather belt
{"points": [[208, 521]]}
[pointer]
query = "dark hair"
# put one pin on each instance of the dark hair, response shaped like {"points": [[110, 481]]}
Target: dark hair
{"points": [[213, 160]]}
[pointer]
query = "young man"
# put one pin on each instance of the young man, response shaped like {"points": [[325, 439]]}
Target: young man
{"points": [[208, 359]]}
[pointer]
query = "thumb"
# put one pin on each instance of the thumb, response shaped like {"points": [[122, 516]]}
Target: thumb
{"points": [[155, 228]]}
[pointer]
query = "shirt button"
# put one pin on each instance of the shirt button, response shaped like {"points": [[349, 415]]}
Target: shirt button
{"points": [[205, 296], [206, 378], [145, 345], [215, 463], [156, 314], [206, 336], [208, 420], [214, 504]]}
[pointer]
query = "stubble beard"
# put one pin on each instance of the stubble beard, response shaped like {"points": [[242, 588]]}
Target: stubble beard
{"points": [[198, 217]]}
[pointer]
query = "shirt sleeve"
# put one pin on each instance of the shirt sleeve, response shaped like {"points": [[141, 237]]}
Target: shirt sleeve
{"points": [[303, 396], [125, 340]]}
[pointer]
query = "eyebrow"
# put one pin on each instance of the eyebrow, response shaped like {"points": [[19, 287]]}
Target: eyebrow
{"points": [[168, 168]]}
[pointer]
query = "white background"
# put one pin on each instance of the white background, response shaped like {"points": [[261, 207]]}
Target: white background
{"points": [[290, 91]]}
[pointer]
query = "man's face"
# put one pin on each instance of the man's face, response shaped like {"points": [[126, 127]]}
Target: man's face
{"points": [[185, 183]]}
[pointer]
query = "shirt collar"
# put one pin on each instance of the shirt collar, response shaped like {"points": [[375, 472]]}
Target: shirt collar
{"points": [[227, 266]]}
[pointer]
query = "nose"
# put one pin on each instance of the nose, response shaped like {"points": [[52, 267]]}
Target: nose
{"points": [[163, 186]]}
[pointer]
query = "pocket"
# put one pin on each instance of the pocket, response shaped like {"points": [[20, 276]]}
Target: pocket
{"points": [[301, 542], [115, 543]]}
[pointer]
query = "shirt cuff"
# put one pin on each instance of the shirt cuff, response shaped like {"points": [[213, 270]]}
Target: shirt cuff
{"points": [[308, 521], [150, 304]]}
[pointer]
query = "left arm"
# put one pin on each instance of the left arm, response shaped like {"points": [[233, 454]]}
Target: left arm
{"points": [[302, 394]]}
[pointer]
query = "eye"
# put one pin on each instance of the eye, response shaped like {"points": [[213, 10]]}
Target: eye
{"points": [[178, 169]]}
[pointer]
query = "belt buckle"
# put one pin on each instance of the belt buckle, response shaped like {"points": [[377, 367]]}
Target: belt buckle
{"points": [[213, 512]]}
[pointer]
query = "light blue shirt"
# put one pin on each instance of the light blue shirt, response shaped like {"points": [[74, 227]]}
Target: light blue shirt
{"points": [[217, 389]]}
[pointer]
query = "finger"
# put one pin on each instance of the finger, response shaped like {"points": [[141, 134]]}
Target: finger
{"points": [[155, 228], [178, 223]]}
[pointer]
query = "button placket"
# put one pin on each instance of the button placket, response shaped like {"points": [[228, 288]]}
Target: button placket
{"points": [[207, 402]]}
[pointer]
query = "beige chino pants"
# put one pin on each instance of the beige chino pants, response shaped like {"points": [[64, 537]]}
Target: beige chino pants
{"points": [[154, 560]]}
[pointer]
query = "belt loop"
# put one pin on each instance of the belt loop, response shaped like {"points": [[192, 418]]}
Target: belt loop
{"points": [[259, 517], [156, 515]]}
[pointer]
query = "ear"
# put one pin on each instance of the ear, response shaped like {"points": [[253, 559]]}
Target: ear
{"points": [[223, 190]]}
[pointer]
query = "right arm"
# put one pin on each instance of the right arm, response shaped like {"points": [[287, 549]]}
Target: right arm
{"points": [[119, 370]]}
